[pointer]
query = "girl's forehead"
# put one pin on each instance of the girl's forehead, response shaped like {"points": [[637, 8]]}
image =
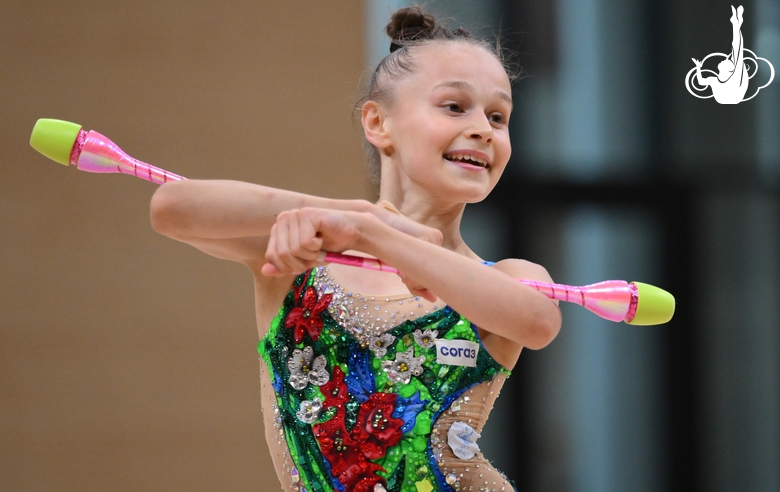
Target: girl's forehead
{"points": [[457, 60]]}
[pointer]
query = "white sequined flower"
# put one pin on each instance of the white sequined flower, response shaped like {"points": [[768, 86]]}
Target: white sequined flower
{"points": [[310, 410], [379, 344], [427, 338], [404, 366], [305, 369]]}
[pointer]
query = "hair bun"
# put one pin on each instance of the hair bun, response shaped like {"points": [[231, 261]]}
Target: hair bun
{"points": [[410, 24]]}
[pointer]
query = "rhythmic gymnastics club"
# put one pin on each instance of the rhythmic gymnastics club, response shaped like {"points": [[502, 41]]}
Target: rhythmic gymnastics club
{"points": [[635, 303]]}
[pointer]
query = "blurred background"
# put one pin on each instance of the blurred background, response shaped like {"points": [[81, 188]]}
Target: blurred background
{"points": [[128, 361]]}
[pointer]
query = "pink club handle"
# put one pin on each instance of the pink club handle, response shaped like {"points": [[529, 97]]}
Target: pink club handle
{"points": [[357, 261], [615, 300]]}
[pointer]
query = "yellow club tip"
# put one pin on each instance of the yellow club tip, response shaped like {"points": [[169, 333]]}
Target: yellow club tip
{"points": [[655, 306], [55, 139]]}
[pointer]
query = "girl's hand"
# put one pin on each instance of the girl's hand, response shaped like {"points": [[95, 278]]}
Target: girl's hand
{"points": [[387, 213], [299, 235], [417, 289]]}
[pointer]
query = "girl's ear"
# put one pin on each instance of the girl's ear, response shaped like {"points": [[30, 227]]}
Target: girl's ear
{"points": [[375, 125]]}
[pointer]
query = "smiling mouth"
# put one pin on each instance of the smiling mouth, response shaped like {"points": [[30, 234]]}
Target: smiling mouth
{"points": [[467, 159]]}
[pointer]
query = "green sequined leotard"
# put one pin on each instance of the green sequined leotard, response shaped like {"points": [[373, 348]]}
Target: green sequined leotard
{"points": [[369, 397]]}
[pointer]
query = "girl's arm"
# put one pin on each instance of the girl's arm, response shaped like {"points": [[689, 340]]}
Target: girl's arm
{"points": [[232, 219], [489, 297]]}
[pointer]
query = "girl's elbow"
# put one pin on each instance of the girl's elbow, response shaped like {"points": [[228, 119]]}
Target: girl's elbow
{"points": [[163, 210], [546, 328]]}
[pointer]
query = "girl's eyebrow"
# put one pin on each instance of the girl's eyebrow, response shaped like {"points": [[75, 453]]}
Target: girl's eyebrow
{"points": [[465, 86]]}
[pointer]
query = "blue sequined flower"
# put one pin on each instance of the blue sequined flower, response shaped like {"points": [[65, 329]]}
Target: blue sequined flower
{"points": [[426, 339], [305, 369], [309, 411], [379, 344], [404, 366]]}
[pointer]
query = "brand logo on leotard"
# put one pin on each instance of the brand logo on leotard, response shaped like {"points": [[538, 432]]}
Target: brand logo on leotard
{"points": [[730, 84], [456, 352]]}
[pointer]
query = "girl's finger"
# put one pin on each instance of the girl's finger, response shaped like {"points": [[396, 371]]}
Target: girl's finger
{"points": [[270, 269], [310, 240], [288, 243], [281, 240], [417, 289], [424, 293], [304, 237]]}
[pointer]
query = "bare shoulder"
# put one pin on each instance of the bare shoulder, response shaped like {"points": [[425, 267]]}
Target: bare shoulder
{"points": [[523, 269]]}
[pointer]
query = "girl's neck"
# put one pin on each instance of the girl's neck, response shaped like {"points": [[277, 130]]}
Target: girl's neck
{"points": [[424, 210]]}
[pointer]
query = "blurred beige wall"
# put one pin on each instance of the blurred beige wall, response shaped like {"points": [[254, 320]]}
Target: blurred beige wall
{"points": [[128, 361]]}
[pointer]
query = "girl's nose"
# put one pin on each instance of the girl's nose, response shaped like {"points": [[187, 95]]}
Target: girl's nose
{"points": [[481, 130], [482, 134]]}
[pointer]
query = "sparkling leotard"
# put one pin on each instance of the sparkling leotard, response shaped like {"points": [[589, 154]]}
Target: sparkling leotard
{"points": [[375, 394]]}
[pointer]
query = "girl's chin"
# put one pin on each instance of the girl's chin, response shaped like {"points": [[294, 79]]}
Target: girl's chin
{"points": [[466, 192]]}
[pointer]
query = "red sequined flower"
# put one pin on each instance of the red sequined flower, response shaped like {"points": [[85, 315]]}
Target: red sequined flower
{"points": [[376, 429], [347, 461], [306, 313], [335, 391]]}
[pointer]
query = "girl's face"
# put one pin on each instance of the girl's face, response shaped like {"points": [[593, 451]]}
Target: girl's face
{"points": [[448, 123]]}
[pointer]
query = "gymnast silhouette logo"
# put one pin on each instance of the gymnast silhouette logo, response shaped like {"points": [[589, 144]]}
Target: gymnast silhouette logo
{"points": [[735, 70]]}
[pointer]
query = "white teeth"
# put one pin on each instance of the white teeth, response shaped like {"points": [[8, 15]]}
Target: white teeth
{"points": [[466, 158]]}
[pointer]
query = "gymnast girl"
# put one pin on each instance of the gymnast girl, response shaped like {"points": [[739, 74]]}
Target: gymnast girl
{"points": [[371, 381]]}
